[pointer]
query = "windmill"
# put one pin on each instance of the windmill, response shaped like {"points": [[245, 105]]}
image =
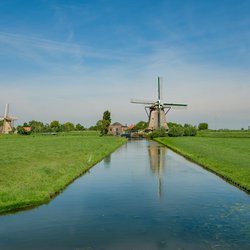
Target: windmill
{"points": [[8, 121], [157, 110]]}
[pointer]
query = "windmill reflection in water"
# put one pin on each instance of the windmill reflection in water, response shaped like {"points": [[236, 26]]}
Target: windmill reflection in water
{"points": [[157, 155]]}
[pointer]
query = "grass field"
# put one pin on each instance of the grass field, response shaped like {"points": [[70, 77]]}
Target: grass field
{"points": [[33, 169], [224, 134], [227, 157]]}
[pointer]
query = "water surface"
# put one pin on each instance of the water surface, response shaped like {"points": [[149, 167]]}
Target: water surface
{"points": [[143, 196]]}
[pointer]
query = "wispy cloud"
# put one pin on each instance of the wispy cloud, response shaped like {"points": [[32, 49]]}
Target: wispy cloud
{"points": [[37, 51], [47, 52]]}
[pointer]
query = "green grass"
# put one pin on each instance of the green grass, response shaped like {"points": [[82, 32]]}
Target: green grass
{"points": [[227, 157], [224, 133], [33, 169]]}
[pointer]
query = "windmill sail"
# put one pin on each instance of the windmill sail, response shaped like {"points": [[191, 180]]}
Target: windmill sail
{"points": [[159, 111], [142, 101], [157, 114], [6, 110], [159, 89], [174, 105]]}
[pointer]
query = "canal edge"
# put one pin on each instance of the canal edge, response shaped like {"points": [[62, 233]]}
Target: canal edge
{"points": [[188, 157], [13, 209]]}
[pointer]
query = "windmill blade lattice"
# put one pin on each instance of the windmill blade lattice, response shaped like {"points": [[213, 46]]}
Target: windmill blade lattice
{"points": [[157, 114], [146, 102]]}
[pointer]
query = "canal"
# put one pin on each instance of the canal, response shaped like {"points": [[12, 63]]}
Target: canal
{"points": [[143, 196]]}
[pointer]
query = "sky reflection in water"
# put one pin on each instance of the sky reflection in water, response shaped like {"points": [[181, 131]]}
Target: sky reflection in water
{"points": [[143, 196]]}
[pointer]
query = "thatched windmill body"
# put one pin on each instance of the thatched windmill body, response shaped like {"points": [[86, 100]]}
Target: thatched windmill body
{"points": [[157, 110], [8, 121]]}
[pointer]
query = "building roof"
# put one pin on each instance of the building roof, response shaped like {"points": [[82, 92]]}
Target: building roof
{"points": [[131, 126], [27, 129], [117, 124]]}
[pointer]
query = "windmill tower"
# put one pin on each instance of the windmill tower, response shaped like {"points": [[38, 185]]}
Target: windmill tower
{"points": [[157, 110], [8, 121]]}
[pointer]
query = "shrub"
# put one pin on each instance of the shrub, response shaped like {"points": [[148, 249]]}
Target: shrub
{"points": [[190, 130], [79, 127], [140, 126], [173, 124], [175, 131], [158, 133], [203, 126]]}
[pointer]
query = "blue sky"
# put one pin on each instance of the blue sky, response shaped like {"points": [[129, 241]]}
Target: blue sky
{"points": [[72, 60]]}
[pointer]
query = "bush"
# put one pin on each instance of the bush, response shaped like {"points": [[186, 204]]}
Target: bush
{"points": [[140, 126], [203, 126], [176, 130], [189, 130], [173, 124], [158, 133], [79, 127]]}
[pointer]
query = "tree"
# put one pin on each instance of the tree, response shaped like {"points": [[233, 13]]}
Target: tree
{"points": [[106, 121], [68, 126], [106, 116], [92, 128], [36, 126], [79, 127], [141, 125], [47, 128], [97, 126], [55, 126], [203, 126]]}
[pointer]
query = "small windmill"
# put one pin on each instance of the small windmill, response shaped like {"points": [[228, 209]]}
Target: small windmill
{"points": [[8, 121], [156, 110]]}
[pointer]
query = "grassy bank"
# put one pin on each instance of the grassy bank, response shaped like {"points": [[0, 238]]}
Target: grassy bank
{"points": [[33, 169], [227, 157]]}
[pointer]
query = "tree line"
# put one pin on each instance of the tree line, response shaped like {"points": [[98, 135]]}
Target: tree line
{"points": [[54, 126], [176, 130]]}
